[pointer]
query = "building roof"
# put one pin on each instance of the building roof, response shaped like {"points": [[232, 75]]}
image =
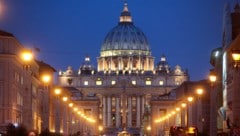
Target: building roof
{"points": [[44, 65], [4, 33]]}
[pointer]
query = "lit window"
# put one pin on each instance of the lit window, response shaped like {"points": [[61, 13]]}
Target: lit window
{"points": [[148, 82], [99, 82], [85, 82], [113, 82], [134, 82], [160, 82]]}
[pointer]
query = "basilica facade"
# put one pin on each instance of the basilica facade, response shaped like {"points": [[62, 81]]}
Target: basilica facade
{"points": [[119, 91]]}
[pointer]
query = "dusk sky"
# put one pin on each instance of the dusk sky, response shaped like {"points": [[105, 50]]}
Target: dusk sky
{"points": [[66, 31]]}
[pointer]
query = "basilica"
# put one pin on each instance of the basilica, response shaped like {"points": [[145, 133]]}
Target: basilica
{"points": [[121, 90]]}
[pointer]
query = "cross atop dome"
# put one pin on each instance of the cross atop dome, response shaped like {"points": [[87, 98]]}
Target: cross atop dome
{"points": [[125, 15]]}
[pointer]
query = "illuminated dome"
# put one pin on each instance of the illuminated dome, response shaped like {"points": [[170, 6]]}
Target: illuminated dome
{"points": [[125, 38]]}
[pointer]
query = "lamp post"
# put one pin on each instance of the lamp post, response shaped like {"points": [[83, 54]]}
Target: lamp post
{"points": [[184, 114], [212, 77], [189, 111], [213, 103], [236, 58], [100, 128], [57, 109], [46, 78], [199, 92], [148, 130], [57, 91], [26, 56]]}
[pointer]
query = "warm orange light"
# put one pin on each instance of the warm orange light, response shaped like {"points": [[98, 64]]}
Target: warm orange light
{"points": [[236, 55], [46, 78], [100, 128], [57, 91], [70, 104], [199, 91], [178, 109], [65, 98], [213, 78], [183, 105], [26, 55], [190, 99], [149, 128], [75, 109]]}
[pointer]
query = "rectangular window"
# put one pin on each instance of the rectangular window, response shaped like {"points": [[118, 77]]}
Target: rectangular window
{"points": [[98, 82], [113, 82], [148, 82], [21, 80], [161, 82], [85, 82], [19, 99]]}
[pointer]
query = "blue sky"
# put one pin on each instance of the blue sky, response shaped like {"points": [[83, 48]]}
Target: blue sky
{"points": [[66, 31]]}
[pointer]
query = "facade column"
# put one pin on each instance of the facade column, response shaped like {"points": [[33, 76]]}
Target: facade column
{"points": [[124, 106], [147, 64], [117, 112], [109, 111], [138, 112], [190, 115], [129, 111], [104, 111], [119, 64], [142, 105]]}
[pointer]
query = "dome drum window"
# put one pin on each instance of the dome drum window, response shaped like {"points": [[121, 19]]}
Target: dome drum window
{"points": [[85, 83]]}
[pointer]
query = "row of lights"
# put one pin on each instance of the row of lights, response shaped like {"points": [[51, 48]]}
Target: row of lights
{"points": [[27, 56], [199, 92], [180, 106], [70, 104]]}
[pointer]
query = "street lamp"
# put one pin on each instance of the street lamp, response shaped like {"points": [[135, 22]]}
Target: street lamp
{"points": [[236, 58], [189, 110], [148, 130], [46, 78], [57, 91], [70, 104], [183, 105], [65, 98], [100, 128], [26, 56], [199, 91], [213, 102], [190, 99], [212, 76]]}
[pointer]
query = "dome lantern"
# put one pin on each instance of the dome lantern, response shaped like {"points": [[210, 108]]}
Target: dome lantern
{"points": [[125, 15]]}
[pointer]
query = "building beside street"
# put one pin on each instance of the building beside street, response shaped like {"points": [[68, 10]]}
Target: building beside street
{"points": [[226, 69], [24, 99]]}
